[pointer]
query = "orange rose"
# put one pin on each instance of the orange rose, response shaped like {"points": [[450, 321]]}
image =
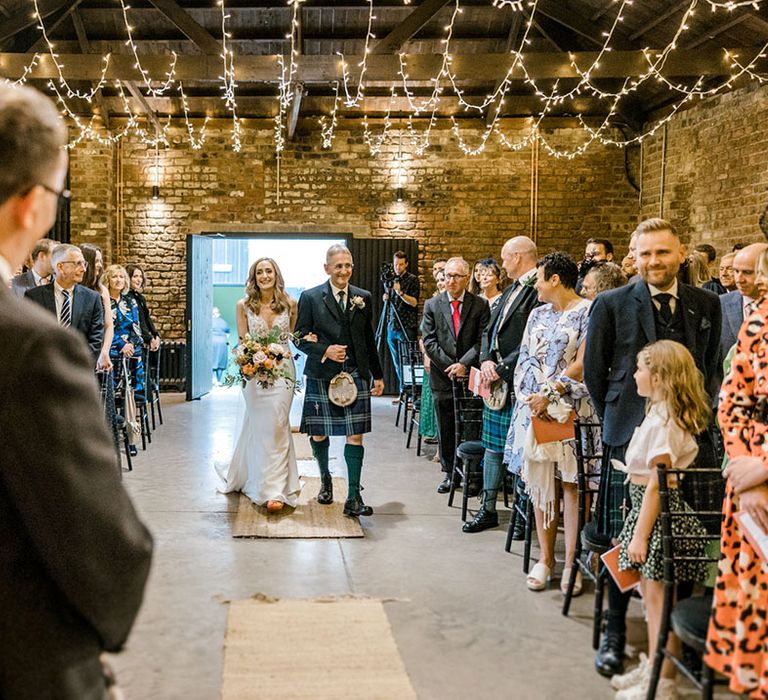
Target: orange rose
{"points": [[267, 364], [248, 370]]}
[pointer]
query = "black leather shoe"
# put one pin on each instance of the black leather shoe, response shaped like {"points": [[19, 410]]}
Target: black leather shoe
{"points": [[518, 534], [484, 520], [325, 497], [609, 659], [445, 485], [355, 507]]}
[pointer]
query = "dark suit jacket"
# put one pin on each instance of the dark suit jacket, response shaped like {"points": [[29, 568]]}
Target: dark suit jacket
{"points": [[442, 345], [320, 314], [87, 311], [511, 331], [74, 557], [621, 323], [732, 305], [21, 283]]}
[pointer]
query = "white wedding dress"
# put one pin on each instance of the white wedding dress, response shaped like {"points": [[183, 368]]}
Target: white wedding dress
{"points": [[263, 465]]}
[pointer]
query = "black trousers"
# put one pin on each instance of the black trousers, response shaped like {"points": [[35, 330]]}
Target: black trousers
{"points": [[446, 430]]}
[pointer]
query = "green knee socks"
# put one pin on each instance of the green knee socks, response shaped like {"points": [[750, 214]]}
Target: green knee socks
{"points": [[353, 455], [320, 451]]}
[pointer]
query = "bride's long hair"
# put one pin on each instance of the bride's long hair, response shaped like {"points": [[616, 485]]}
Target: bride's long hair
{"points": [[280, 299]]}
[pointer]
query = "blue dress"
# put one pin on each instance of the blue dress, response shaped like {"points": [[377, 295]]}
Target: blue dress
{"points": [[550, 344], [125, 314]]}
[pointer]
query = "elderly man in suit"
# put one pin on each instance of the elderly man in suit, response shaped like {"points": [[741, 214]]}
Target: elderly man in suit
{"points": [[499, 350], [74, 305], [339, 315], [74, 557], [41, 271], [622, 322], [737, 305], [452, 329]]}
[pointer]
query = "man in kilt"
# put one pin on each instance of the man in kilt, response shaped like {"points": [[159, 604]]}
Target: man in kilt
{"points": [[340, 316], [498, 359], [623, 321]]}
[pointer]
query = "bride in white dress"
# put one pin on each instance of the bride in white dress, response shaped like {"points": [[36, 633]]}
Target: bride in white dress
{"points": [[263, 465]]}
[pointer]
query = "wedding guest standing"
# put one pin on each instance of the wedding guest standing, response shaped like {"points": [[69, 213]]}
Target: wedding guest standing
{"points": [[41, 271], [490, 282], [738, 629], [548, 385], [219, 344], [92, 280], [452, 325], [499, 351], [622, 322], [74, 556], [149, 333], [339, 316]]}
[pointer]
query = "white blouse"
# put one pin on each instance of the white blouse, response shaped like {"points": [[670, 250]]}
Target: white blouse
{"points": [[659, 435]]}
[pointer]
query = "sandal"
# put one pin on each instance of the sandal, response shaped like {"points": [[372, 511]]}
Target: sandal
{"points": [[274, 506], [565, 579], [539, 577]]}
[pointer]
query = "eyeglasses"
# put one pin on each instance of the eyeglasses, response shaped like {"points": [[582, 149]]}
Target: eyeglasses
{"points": [[455, 277], [62, 195], [76, 263]]}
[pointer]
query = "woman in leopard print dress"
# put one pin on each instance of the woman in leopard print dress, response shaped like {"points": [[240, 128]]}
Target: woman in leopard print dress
{"points": [[737, 641]]}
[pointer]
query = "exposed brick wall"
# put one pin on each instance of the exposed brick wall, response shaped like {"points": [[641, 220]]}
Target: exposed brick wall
{"points": [[454, 204], [716, 177]]}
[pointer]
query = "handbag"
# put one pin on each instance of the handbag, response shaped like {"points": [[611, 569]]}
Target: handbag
{"points": [[553, 431]]}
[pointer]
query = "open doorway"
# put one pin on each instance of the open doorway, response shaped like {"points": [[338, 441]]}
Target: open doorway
{"points": [[217, 270]]}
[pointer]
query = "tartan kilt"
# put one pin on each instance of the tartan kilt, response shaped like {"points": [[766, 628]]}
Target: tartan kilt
{"points": [[321, 417], [613, 500], [496, 426]]}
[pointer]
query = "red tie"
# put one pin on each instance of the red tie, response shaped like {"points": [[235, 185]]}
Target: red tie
{"points": [[456, 316]]}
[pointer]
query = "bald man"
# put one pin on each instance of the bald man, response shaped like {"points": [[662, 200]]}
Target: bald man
{"points": [[737, 305]]}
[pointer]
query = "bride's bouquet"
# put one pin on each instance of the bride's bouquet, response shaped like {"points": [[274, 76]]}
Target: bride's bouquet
{"points": [[264, 360]]}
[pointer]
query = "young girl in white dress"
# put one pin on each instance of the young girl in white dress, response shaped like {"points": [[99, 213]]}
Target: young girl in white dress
{"points": [[678, 410], [263, 465]]}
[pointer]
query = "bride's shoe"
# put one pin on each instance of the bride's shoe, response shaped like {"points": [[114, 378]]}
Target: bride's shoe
{"points": [[274, 506]]}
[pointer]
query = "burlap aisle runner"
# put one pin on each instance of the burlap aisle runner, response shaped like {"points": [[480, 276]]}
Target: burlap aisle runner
{"points": [[312, 650], [308, 520]]}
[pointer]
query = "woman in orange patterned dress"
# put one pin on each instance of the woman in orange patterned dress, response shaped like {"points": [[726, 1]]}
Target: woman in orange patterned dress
{"points": [[737, 641]]}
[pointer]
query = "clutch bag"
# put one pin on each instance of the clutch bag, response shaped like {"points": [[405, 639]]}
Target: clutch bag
{"points": [[553, 431]]}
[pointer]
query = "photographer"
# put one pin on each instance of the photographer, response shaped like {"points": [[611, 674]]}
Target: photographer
{"points": [[598, 250], [402, 289]]}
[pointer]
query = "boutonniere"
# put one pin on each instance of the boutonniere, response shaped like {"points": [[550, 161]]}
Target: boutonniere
{"points": [[530, 281], [357, 302]]}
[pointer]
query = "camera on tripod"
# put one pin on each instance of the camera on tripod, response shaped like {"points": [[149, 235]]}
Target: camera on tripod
{"points": [[388, 274]]}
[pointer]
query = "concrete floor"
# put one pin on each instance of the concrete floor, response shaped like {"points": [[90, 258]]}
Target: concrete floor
{"points": [[464, 622]]}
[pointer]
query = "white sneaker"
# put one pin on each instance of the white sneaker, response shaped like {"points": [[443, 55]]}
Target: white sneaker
{"points": [[633, 677]]}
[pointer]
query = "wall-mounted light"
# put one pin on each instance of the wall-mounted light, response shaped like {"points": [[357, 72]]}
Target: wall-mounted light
{"points": [[399, 194], [156, 184]]}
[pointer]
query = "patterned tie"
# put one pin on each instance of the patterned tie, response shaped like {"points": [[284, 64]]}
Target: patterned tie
{"points": [[665, 309], [456, 316], [65, 319], [342, 305]]}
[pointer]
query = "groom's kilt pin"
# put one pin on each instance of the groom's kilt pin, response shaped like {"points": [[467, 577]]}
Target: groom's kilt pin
{"points": [[321, 417]]}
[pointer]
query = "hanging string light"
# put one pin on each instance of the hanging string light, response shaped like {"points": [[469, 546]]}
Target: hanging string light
{"points": [[228, 80], [196, 142]]}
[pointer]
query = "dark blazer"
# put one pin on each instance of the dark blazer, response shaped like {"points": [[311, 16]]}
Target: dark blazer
{"points": [[74, 556], [440, 342], [621, 323], [87, 311], [320, 314], [148, 330], [21, 283], [511, 331], [732, 305]]}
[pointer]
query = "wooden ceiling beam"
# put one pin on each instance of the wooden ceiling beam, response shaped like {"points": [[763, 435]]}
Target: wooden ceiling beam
{"points": [[196, 33], [324, 69], [409, 27], [509, 45], [716, 31], [23, 20], [569, 20], [85, 47], [298, 90], [146, 107], [663, 17]]}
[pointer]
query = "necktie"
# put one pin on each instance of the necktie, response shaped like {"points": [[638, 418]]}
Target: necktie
{"points": [[503, 315], [456, 316], [65, 319], [342, 305], [665, 310]]}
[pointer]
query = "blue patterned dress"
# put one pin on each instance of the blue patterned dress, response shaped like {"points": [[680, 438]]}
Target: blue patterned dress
{"points": [[550, 344], [125, 314]]}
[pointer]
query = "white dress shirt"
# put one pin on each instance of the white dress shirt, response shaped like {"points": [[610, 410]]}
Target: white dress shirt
{"points": [[6, 272], [672, 291], [336, 291], [58, 295]]}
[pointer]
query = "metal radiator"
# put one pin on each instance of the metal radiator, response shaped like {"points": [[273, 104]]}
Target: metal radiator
{"points": [[173, 366]]}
